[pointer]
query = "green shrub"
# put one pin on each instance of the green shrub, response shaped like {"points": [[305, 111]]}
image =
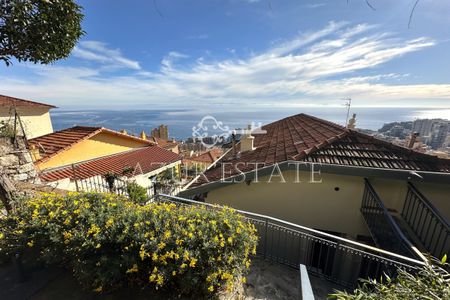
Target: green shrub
{"points": [[431, 282], [137, 193], [111, 242]]}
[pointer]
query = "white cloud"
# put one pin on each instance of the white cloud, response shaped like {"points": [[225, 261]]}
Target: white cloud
{"points": [[99, 52], [315, 68]]}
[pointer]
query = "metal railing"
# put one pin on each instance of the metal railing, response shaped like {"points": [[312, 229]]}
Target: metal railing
{"points": [[339, 260], [382, 226], [430, 227]]}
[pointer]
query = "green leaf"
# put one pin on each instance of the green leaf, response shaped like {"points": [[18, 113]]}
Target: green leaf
{"points": [[444, 259]]}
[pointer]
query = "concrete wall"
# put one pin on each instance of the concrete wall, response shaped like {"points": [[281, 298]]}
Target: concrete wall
{"points": [[36, 120], [316, 205], [99, 145], [391, 192]]}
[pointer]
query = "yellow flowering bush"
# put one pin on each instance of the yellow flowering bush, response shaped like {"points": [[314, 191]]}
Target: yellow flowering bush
{"points": [[109, 241]]}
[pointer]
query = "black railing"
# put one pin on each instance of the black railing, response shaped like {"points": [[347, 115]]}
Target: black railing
{"points": [[432, 229], [339, 260], [382, 226]]}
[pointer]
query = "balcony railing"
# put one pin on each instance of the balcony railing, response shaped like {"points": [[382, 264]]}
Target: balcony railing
{"points": [[382, 226], [339, 260], [430, 227]]}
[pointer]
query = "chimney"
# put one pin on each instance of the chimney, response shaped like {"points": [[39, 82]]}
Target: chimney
{"points": [[413, 139], [247, 140], [143, 135], [352, 122]]}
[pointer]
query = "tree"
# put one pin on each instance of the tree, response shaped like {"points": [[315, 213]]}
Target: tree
{"points": [[40, 31]]}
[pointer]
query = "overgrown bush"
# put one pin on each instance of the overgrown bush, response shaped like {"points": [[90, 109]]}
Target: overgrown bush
{"points": [[431, 283], [137, 193], [110, 242]]}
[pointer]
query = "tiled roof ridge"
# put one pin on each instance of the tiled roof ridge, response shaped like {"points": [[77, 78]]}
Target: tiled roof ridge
{"points": [[32, 103]]}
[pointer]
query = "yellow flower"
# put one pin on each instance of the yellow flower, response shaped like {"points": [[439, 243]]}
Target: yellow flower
{"points": [[1, 235], [167, 234], [152, 278], [174, 273], [211, 288], [109, 223], [30, 244], [134, 269], [154, 257], [161, 245], [183, 266], [99, 289], [160, 280], [230, 240], [192, 263], [98, 246]]}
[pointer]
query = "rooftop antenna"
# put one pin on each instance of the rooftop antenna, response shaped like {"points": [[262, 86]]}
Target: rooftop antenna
{"points": [[348, 103]]}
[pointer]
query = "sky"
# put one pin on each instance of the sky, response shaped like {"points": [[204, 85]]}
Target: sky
{"points": [[247, 54]]}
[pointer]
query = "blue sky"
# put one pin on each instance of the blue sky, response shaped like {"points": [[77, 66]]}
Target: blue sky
{"points": [[236, 54]]}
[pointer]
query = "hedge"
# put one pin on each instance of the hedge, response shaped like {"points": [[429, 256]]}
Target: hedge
{"points": [[110, 242]]}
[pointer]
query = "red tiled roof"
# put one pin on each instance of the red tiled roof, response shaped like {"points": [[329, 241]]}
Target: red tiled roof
{"points": [[53, 143], [207, 157], [163, 143], [143, 160], [12, 101], [307, 138]]}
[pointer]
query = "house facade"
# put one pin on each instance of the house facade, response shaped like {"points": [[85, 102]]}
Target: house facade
{"points": [[324, 176], [34, 116]]}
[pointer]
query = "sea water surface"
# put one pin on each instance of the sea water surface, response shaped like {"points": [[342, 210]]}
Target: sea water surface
{"points": [[181, 122]]}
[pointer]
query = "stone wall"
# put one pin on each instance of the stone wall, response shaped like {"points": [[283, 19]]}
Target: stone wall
{"points": [[16, 161]]}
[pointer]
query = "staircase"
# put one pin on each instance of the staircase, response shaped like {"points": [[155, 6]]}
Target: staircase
{"points": [[418, 229]]}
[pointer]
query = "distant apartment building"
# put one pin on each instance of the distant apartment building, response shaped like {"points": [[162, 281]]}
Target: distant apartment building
{"points": [[423, 126], [439, 134], [34, 116], [161, 132]]}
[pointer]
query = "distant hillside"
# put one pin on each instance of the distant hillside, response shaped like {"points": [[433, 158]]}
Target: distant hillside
{"points": [[388, 126]]}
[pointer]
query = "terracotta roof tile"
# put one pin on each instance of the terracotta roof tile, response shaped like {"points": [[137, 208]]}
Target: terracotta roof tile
{"points": [[12, 101], [59, 141], [207, 157], [306, 138], [143, 160]]}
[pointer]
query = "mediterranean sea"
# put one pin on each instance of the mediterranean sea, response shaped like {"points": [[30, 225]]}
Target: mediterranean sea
{"points": [[181, 122]]}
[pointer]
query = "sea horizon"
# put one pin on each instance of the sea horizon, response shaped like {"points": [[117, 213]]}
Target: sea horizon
{"points": [[181, 121]]}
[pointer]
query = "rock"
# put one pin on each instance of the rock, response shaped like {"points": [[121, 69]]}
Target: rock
{"points": [[9, 160], [26, 168], [20, 177]]}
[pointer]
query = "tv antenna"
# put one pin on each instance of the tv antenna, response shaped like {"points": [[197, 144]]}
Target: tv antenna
{"points": [[348, 104]]}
